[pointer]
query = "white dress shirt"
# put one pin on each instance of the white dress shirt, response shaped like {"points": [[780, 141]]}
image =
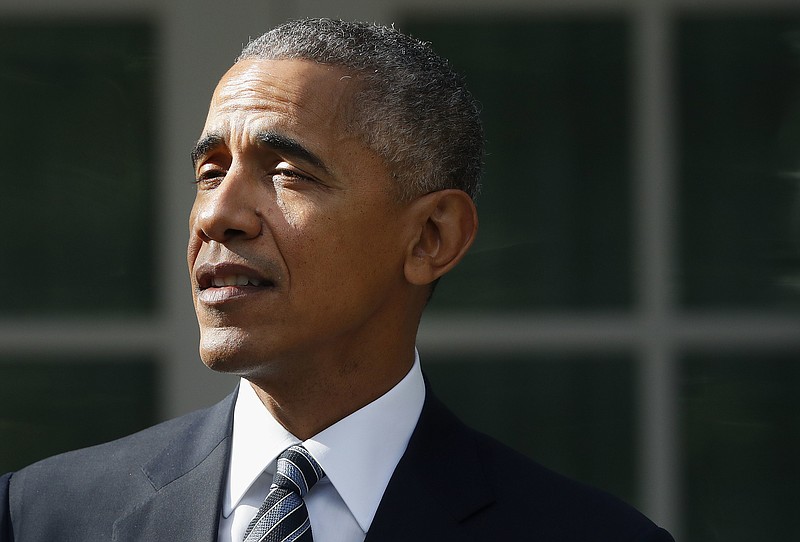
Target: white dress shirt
{"points": [[358, 454]]}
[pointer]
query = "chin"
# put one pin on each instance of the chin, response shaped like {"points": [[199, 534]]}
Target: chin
{"points": [[223, 351], [233, 351], [220, 364]]}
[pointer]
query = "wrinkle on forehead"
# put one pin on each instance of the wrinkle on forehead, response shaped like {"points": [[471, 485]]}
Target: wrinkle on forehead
{"points": [[284, 87]]}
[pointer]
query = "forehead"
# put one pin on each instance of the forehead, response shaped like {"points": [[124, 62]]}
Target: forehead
{"points": [[298, 94]]}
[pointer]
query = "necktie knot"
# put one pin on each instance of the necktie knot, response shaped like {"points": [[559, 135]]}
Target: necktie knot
{"points": [[297, 470], [283, 516]]}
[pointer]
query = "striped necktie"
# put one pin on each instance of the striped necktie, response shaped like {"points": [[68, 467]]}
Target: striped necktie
{"points": [[283, 517]]}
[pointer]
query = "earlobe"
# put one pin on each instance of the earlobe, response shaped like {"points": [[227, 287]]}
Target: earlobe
{"points": [[447, 224]]}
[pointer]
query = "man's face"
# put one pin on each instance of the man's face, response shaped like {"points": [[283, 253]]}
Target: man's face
{"points": [[296, 241]]}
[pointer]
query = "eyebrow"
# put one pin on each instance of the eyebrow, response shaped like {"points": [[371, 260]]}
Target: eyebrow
{"points": [[291, 148], [274, 140], [205, 145]]}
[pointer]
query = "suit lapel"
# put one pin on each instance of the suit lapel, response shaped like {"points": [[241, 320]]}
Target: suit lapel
{"points": [[437, 484], [187, 477]]}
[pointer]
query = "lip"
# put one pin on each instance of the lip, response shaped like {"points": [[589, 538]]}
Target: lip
{"points": [[210, 294]]}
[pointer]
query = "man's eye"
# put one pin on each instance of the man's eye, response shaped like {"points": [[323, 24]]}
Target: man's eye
{"points": [[290, 174], [209, 176]]}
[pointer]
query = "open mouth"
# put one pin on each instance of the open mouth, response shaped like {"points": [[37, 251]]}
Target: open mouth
{"points": [[230, 277], [236, 280]]}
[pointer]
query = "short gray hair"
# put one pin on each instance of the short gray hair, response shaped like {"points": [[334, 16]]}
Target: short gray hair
{"points": [[412, 108]]}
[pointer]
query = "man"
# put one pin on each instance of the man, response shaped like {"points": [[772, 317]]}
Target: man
{"points": [[335, 180]]}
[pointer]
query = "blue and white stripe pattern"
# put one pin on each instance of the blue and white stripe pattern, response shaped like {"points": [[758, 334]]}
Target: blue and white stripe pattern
{"points": [[283, 517]]}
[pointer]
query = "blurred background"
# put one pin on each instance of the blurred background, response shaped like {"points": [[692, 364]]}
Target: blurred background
{"points": [[630, 314]]}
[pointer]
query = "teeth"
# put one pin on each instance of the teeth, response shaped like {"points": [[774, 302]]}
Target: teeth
{"points": [[234, 280]]}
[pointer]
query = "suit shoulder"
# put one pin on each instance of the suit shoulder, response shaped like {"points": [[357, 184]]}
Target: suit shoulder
{"points": [[128, 448], [121, 459], [573, 510], [51, 497]]}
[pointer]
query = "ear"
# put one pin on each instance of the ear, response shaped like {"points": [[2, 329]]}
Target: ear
{"points": [[447, 223]]}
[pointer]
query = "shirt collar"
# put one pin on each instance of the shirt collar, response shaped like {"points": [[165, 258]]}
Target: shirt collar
{"points": [[358, 453], [258, 439]]}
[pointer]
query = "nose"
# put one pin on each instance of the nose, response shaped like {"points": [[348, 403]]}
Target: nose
{"points": [[228, 211]]}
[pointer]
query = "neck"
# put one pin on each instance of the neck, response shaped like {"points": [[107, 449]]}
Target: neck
{"points": [[312, 401]]}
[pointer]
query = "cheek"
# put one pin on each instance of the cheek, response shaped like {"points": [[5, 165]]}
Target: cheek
{"points": [[192, 250], [307, 231], [322, 253], [335, 247], [194, 245], [290, 207]]}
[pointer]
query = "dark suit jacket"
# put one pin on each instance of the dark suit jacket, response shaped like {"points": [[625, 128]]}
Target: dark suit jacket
{"points": [[165, 484]]}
